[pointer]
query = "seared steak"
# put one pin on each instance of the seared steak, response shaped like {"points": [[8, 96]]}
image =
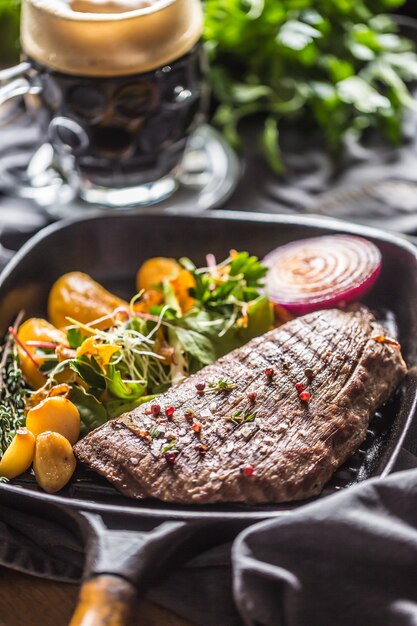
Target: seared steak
{"points": [[317, 381]]}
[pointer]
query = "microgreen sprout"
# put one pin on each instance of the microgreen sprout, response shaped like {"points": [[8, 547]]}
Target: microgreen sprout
{"points": [[222, 385], [169, 447], [239, 418]]}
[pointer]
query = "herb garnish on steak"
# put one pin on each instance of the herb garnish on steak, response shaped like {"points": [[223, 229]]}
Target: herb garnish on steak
{"points": [[297, 404]]}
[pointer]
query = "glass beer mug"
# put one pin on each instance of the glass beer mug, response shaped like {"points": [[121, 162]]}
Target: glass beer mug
{"points": [[118, 86]]}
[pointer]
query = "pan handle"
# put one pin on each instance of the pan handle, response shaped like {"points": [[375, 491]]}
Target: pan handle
{"points": [[104, 600], [122, 563]]}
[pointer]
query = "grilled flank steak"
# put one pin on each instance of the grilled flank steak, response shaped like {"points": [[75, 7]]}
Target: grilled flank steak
{"points": [[269, 422]]}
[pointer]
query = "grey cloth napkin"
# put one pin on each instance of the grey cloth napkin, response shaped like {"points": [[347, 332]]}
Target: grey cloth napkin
{"points": [[350, 560]]}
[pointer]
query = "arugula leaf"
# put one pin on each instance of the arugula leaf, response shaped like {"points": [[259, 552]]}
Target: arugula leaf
{"points": [[196, 345], [229, 309], [75, 337], [240, 283], [249, 267], [92, 412], [115, 408], [259, 321], [122, 389], [86, 369]]}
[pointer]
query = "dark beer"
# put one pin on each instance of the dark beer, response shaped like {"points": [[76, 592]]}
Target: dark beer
{"points": [[121, 108]]}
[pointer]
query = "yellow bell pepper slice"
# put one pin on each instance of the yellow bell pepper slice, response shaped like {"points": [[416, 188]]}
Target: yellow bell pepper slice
{"points": [[102, 351]]}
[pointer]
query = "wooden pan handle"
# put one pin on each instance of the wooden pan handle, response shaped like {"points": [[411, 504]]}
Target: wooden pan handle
{"points": [[104, 600]]}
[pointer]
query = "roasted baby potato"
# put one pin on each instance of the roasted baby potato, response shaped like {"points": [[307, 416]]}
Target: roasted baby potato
{"points": [[158, 269], [55, 413], [78, 296], [54, 461], [19, 455], [36, 329]]}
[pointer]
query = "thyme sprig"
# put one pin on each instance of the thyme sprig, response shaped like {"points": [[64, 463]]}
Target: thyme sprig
{"points": [[12, 392]]}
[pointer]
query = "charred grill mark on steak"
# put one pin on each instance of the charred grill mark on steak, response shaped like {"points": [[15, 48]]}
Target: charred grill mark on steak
{"points": [[294, 446]]}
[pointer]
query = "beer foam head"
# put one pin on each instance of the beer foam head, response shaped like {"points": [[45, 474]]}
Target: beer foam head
{"points": [[109, 37], [110, 6]]}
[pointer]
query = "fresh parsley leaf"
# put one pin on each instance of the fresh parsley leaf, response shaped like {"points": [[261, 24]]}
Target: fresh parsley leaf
{"points": [[309, 60]]}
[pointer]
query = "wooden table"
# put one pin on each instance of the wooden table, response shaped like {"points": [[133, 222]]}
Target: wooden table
{"points": [[29, 601]]}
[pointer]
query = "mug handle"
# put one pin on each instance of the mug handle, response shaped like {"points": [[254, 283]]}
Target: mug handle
{"points": [[15, 81]]}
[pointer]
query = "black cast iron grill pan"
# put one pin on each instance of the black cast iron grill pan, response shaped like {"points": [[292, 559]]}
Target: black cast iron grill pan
{"points": [[119, 556]]}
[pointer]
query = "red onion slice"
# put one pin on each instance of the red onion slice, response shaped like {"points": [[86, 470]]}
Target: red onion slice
{"points": [[321, 272]]}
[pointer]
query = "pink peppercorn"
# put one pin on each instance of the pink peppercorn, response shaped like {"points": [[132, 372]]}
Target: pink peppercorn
{"points": [[169, 411], [155, 409], [248, 470], [300, 387], [305, 396], [269, 372]]}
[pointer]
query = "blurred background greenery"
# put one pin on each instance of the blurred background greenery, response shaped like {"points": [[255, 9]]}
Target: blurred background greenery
{"points": [[9, 31]]}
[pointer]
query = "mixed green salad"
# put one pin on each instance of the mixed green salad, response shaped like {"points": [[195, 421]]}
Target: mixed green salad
{"points": [[181, 319]]}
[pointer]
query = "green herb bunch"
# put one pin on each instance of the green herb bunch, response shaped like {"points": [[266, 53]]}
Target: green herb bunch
{"points": [[12, 396], [340, 64]]}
